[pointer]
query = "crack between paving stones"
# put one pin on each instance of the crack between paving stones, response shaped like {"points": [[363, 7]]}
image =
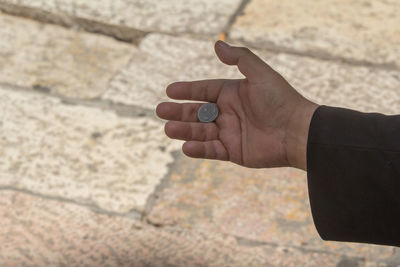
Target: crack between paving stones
{"points": [[164, 182], [132, 214], [119, 32], [254, 243], [241, 241], [120, 109]]}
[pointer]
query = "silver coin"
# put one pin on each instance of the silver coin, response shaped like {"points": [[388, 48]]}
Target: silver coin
{"points": [[208, 112]]}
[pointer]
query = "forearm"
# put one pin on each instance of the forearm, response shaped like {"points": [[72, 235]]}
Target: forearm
{"points": [[353, 175]]}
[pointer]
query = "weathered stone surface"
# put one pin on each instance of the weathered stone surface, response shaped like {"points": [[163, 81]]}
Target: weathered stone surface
{"points": [[161, 60], [190, 16], [112, 164], [268, 206], [85, 154], [164, 59], [52, 58], [41, 232], [354, 30]]}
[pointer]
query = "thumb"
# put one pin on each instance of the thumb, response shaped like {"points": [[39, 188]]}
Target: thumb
{"points": [[248, 63]]}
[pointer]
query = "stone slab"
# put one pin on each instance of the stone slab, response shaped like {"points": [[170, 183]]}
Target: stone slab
{"points": [[163, 59], [363, 31], [260, 206], [57, 60], [190, 16], [37, 231], [85, 154], [367, 89]]}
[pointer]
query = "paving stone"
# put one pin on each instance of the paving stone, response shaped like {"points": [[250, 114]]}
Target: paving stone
{"points": [[186, 199], [361, 30], [161, 60], [168, 59], [84, 154], [190, 16], [37, 231], [57, 60], [257, 205]]}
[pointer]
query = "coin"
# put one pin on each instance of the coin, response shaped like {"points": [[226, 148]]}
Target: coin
{"points": [[207, 112]]}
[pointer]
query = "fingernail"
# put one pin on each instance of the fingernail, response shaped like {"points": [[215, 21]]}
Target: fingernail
{"points": [[223, 44]]}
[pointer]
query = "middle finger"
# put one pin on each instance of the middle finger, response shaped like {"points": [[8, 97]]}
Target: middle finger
{"points": [[178, 111]]}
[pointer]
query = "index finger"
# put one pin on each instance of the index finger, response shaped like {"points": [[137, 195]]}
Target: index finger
{"points": [[204, 90]]}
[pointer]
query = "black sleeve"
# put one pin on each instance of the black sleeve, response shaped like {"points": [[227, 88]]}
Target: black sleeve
{"points": [[353, 173]]}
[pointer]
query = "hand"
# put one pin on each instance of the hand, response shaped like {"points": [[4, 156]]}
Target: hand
{"points": [[263, 121]]}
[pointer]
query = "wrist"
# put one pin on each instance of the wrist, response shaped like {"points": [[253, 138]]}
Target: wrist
{"points": [[297, 134]]}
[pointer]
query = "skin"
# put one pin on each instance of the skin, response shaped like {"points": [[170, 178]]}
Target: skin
{"points": [[263, 121]]}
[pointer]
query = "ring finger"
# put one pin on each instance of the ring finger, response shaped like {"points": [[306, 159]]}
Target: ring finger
{"points": [[191, 131]]}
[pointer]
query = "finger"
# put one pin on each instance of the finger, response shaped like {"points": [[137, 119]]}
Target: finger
{"points": [[191, 131], [178, 112], [207, 150], [206, 90], [248, 63]]}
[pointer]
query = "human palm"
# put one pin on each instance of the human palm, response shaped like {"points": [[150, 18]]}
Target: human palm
{"points": [[254, 113]]}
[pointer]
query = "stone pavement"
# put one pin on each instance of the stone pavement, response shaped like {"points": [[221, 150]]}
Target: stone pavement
{"points": [[87, 175]]}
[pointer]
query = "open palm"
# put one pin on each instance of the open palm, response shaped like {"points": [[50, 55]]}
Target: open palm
{"points": [[254, 113]]}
